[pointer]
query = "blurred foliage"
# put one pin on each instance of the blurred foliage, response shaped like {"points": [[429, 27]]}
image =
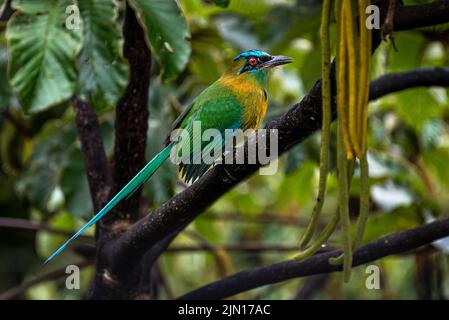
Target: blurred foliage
{"points": [[42, 171]]}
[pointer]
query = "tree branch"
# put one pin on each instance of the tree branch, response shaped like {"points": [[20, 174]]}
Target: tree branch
{"points": [[319, 264], [131, 124], [297, 124], [93, 152], [421, 15], [33, 226], [129, 157], [422, 77]]}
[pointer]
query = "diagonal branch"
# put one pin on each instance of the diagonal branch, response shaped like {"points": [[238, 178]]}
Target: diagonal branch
{"points": [[93, 152], [297, 124], [131, 124], [319, 264]]}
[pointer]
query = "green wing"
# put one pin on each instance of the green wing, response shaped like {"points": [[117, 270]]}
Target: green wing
{"points": [[215, 108]]}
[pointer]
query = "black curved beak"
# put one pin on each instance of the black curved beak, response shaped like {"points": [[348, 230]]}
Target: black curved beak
{"points": [[276, 61]]}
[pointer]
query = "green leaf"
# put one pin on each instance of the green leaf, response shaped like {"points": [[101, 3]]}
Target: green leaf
{"points": [[416, 106], [410, 51], [31, 6], [166, 31], [436, 161], [380, 224], [103, 72], [207, 61], [42, 54], [250, 8]]}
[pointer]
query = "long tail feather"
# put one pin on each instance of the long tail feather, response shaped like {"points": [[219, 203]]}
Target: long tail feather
{"points": [[127, 191]]}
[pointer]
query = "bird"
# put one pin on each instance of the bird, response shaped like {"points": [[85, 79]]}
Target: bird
{"points": [[237, 100]]}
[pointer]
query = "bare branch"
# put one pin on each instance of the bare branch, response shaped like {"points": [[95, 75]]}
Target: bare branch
{"points": [[93, 152], [129, 157], [33, 226], [132, 114], [319, 264]]}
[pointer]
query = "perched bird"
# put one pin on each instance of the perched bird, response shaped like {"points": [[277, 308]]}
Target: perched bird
{"points": [[237, 100]]}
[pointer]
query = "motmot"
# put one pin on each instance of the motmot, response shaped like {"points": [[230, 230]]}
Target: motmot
{"points": [[237, 100]]}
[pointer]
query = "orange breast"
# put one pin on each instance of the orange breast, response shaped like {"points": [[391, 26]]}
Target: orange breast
{"points": [[253, 98]]}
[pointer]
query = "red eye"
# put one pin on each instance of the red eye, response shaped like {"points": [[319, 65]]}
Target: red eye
{"points": [[252, 61]]}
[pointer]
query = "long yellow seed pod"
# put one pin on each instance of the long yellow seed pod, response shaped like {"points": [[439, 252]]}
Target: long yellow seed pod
{"points": [[341, 78], [365, 58], [352, 72]]}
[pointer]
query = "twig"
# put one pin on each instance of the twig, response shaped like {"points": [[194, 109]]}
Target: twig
{"points": [[241, 247], [33, 226], [52, 275]]}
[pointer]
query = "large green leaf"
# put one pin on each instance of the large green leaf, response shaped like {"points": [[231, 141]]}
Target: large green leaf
{"points": [[166, 32], [32, 6], [42, 53], [103, 73]]}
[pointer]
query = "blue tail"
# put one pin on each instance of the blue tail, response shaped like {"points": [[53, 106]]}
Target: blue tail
{"points": [[127, 191]]}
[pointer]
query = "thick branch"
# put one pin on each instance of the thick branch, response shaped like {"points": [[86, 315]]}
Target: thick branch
{"points": [[93, 152], [318, 264], [132, 114], [422, 15], [129, 157], [422, 77], [297, 124]]}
